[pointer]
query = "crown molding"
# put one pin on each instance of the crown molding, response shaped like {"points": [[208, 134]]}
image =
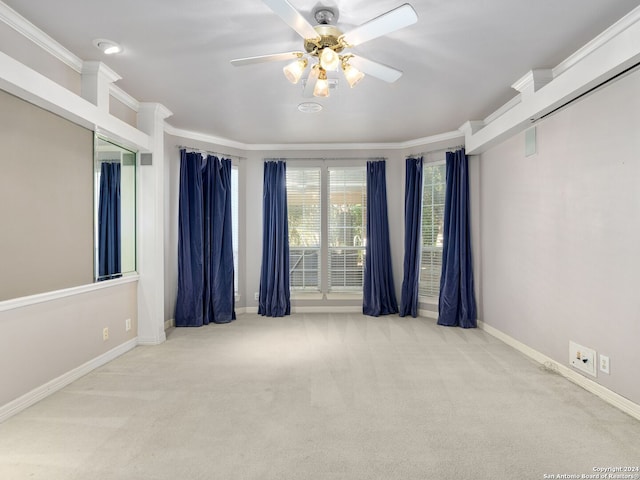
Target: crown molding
{"points": [[605, 37], [441, 137], [99, 68], [123, 97], [225, 142], [202, 137], [533, 80], [37, 36], [155, 109], [472, 126], [503, 109]]}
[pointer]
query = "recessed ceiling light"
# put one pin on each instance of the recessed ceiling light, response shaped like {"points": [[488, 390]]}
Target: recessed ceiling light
{"points": [[108, 47], [309, 107]]}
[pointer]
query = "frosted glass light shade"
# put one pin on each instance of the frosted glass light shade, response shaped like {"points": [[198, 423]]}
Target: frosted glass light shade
{"points": [[294, 70], [321, 88], [352, 74], [329, 60]]}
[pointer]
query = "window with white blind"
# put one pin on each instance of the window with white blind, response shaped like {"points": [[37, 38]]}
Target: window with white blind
{"points": [[433, 195], [234, 224], [327, 228], [346, 228], [303, 205]]}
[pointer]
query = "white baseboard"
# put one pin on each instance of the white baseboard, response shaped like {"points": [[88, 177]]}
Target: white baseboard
{"points": [[607, 395], [428, 314], [151, 341], [327, 309], [43, 391], [313, 309], [169, 323], [333, 309]]}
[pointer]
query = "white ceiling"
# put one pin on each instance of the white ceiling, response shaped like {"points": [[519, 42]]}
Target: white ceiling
{"points": [[459, 61]]}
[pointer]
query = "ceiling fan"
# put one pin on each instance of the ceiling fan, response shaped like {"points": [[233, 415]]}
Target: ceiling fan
{"points": [[328, 46]]}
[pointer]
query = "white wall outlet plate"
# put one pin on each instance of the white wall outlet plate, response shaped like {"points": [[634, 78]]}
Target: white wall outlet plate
{"points": [[127, 324], [604, 363], [105, 333], [582, 358]]}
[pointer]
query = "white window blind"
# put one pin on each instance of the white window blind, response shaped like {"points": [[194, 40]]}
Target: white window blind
{"points": [[234, 224], [304, 215], [433, 195], [346, 227]]}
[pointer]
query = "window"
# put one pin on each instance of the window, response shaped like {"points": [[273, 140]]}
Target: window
{"points": [[303, 206], [347, 228], [327, 228], [433, 195], [234, 224]]}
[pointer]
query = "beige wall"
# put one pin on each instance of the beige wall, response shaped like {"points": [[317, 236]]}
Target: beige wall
{"points": [[560, 234], [46, 201], [122, 111], [41, 342]]}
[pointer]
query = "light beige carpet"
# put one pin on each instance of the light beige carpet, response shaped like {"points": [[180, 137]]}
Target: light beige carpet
{"points": [[319, 396]]}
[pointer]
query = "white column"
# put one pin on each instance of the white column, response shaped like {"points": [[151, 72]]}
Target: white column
{"points": [[151, 224], [96, 81]]}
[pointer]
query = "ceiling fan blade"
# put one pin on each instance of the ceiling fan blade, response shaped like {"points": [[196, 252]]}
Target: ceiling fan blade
{"points": [[393, 20], [310, 83], [292, 17], [375, 69], [275, 57]]}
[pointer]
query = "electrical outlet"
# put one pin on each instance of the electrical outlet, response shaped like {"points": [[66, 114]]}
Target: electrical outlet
{"points": [[582, 358], [604, 364], [105, 333], [256, 296], [127, 324]]}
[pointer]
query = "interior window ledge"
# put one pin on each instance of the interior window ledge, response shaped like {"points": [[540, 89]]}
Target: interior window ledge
{"points": [[344, 296], [305, 295]]}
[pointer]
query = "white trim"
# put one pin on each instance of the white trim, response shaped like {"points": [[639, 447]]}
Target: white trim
{"points": [[169, 323], [303, 296], [533, 80], [604, 393], [202, 137], [315, 309], [21, 302], [427, 313], [123, 97], [28, 30], [24, 82], [99, 68], [503, 109], [327, 309], [611, 53], [43, 391], [602, 39], [225, 142], [344, 296], [152, 341], [456, 135]]}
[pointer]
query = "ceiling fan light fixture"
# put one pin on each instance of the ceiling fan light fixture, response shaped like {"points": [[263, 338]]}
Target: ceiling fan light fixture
{"points": [[321, 88], [352, 74], [294, 70], [329, 60]]}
